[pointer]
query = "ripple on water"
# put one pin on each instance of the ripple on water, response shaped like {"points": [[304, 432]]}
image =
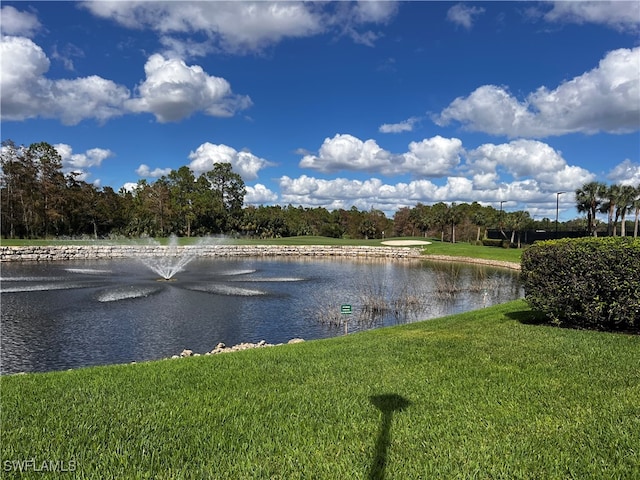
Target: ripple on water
{"points": [[88, 271], [42, 287], [221, 289], [124, 293]]}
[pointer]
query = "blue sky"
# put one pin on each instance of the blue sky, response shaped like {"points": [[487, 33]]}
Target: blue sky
{"points": [[372, 104]]}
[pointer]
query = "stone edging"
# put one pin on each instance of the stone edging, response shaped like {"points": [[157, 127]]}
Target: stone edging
{"points": [[102, 252], [99, 252]]}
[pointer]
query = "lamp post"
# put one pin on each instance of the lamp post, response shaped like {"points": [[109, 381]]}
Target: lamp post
{"points": [[557, 208], [501, 224]]}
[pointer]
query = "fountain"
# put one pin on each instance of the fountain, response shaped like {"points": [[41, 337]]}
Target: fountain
{"points": [[173, 262]]}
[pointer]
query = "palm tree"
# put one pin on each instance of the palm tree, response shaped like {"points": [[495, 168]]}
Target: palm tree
{"points": [[625, 200], [588, 200], [636, 208], [609, 207]]}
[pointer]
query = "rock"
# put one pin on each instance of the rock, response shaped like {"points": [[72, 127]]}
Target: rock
{"points": [[175, 356], [221, 346], [186, 353], [295, 340]]}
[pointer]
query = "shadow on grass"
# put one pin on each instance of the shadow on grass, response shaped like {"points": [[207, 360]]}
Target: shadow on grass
{"points": [[387, 404], [529, 317]]}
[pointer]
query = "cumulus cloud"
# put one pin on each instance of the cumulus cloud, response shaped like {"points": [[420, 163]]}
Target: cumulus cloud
{"points": [[346, 152], [428, 158], [625, 173], [15, 22], [259, 195], [246, 164], [79, 163], [404, 126], [526, 158], [605, 99], [91, 158], [27, 93], [242, 27], [620, 15], [431, 157], [173, 91], [373, 193], [130, 187], [525, 173], [145, 171], [464, 15]]}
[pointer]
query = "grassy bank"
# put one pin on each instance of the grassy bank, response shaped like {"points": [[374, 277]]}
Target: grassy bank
{"points": [[485, 394]]}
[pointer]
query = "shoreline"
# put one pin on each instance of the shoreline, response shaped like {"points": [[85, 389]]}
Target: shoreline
{"points": [[106, 252]]}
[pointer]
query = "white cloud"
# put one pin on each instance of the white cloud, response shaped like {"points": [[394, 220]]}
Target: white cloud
{"points": [[241, 27], [130, 187], [526, 158], [404, 126], [15, 22], [144, 171], [463, 15], [521, 158], [78, 163], [259, 194], [605, 99], [431, 157], [27, 93], [173, 91], [346, 152], [625, 173], [91, 158], [246, 164], [620, 15], [373, 193]]}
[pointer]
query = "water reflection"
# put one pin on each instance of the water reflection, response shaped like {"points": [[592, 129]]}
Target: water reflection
{"points": [[70, 314]]}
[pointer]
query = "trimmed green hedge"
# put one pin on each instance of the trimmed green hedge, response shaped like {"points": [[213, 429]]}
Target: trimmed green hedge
{"points": [[590, 282], [490, 242]]}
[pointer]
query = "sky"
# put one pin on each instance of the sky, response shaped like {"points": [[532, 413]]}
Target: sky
{"points": [[377, 105]]}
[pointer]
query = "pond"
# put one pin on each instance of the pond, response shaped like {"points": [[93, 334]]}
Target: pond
{"points": [[62, 315]]}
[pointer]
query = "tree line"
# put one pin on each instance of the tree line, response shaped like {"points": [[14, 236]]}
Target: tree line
{"points": [[615, 200], [39, 201]]}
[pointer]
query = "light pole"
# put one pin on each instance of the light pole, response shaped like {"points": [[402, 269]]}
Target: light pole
{"points": [[501, 225], [557, 207]]}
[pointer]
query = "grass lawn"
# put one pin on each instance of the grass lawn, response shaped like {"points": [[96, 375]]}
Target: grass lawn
{"points": [[484, 394]]}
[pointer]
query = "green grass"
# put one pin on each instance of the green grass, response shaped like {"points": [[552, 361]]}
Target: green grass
{"points": [[484, 394], [463, 249]]}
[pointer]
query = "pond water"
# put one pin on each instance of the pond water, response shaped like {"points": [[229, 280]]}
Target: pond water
{"points": [[62, 315]]}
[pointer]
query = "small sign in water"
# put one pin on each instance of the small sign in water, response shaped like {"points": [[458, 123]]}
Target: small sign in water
{"points": [[346, 309]]}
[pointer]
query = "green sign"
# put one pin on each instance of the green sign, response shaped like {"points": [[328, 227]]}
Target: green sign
{"points": [[346, 309]]}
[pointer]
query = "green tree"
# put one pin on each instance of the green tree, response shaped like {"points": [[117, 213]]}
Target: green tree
{"points": [[588, 199], [636, 210], [610, 197], [439, 217], [626, 198], [17, 191], [228, 195]]}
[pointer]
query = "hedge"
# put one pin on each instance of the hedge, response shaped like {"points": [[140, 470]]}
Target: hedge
{"points": [[589, 282]]}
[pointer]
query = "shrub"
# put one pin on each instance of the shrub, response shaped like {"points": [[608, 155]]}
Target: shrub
{"points": [[490, 242], [588, 282]]}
